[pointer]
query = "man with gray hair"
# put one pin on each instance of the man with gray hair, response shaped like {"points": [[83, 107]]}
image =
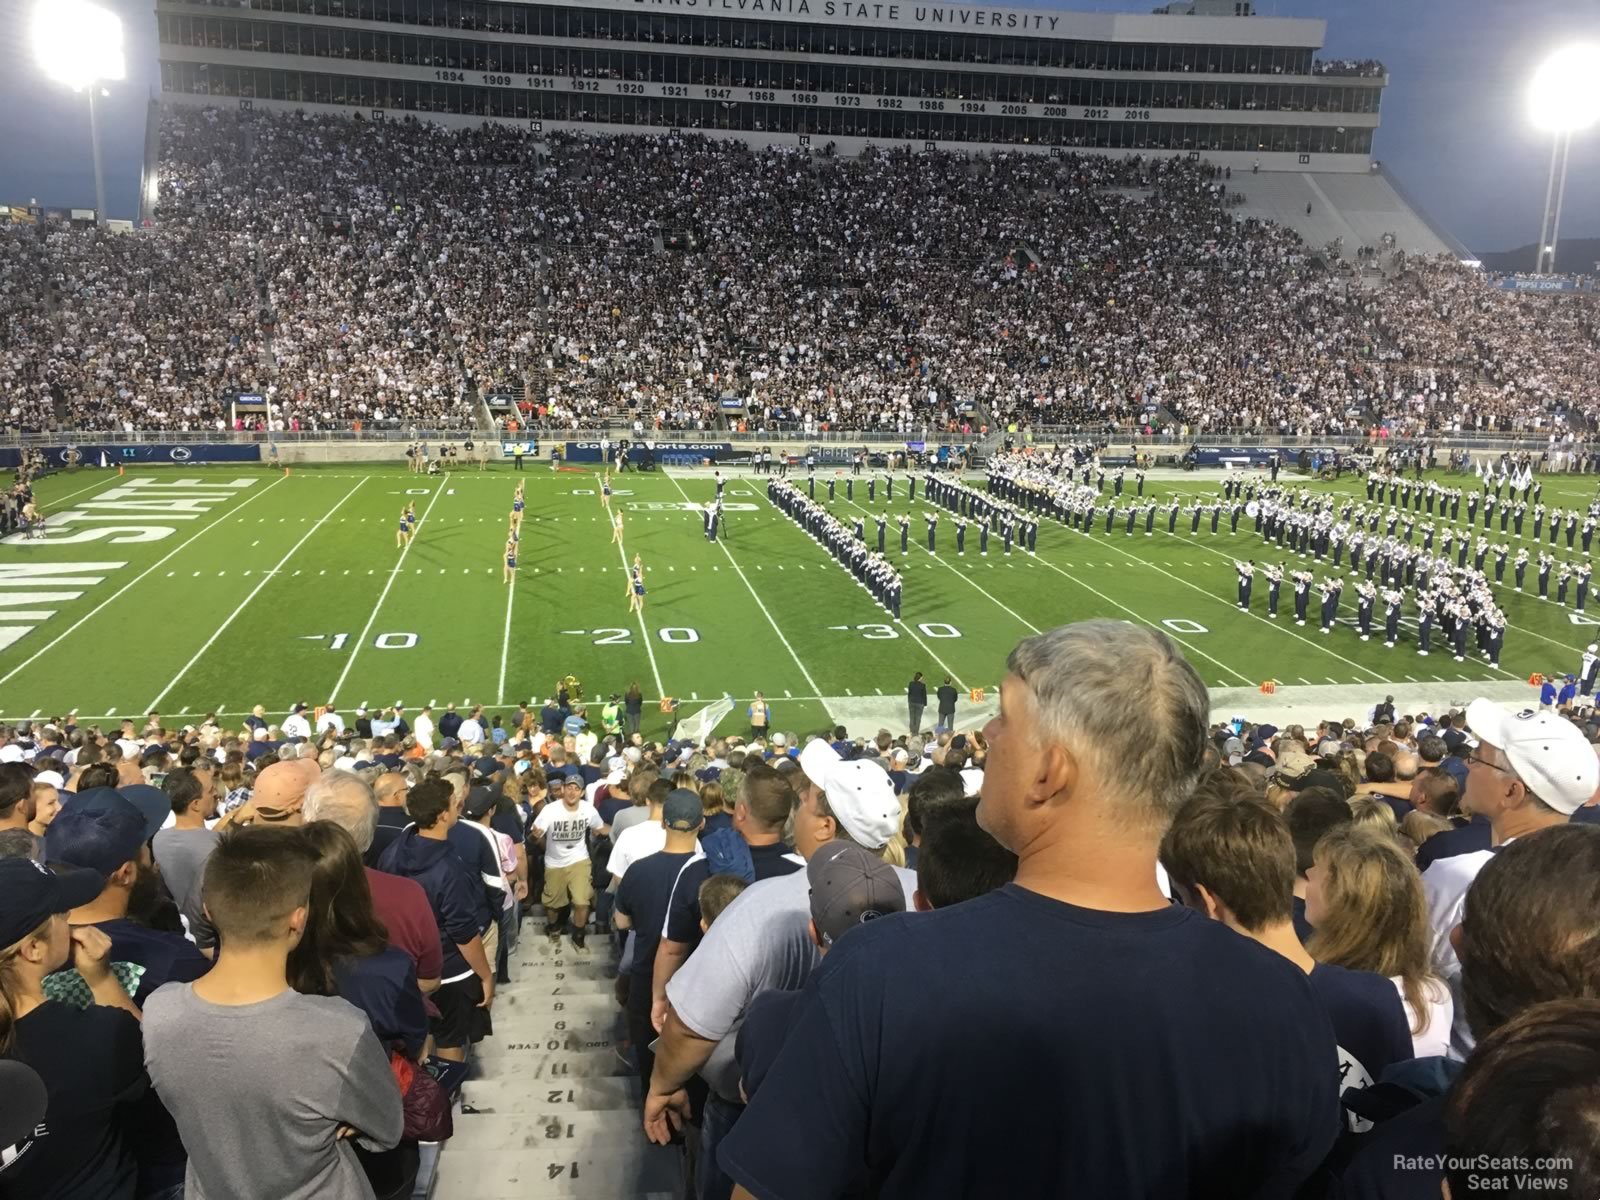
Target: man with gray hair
{"points": [[1112, 1043], [344, 798]]}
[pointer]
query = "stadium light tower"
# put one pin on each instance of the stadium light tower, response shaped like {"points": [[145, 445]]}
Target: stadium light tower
{"points": [[1563, 99], [80, 44]]}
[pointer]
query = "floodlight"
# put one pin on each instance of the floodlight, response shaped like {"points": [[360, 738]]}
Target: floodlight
{"points": [[77, 43], [1564, 96]]}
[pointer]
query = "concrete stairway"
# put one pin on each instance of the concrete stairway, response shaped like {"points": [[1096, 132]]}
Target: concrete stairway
{"points": [[550, 1110]]}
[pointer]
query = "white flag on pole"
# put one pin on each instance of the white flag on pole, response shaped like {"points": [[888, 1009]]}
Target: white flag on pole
{"points": [[695, 728]]}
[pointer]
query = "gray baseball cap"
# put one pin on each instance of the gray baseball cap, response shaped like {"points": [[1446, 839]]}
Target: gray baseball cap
{"points": [[682, 810], [849, 887]]}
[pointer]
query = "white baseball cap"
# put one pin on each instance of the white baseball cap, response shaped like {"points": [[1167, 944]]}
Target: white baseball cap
{"points": [[10, 753], [53, 778], [859, 793], [779, 740], [1548, 753]]}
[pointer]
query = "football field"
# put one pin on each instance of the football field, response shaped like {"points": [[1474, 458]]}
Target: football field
{"points": [[214, 589]]}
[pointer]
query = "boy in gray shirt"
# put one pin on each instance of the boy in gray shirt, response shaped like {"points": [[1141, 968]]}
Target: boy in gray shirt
{"points": [[270, 1089]]}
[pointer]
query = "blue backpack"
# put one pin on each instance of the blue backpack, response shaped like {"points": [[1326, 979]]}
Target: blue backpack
{"points": [[727, 853]]}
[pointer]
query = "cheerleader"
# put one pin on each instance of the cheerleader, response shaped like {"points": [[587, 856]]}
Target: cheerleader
{"points": [[511, 558], [605, 489], [636, 587], [517, 505], [403, 535], [616, 528]]}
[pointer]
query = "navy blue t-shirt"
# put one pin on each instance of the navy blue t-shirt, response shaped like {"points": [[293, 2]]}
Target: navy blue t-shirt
{"points": [[384, 986], [160, 956], [1379, 1170], [1369, 1021], [1588, 814], [1014, 1045], [716, 821], [683, 917], [390, 822], [642, 897], [608, 806], [762, 1034], [1302, 927], [1463, 839], [473, 848]]}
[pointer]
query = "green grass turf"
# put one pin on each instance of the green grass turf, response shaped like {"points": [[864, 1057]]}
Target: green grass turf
{"points": [[243, 604]]}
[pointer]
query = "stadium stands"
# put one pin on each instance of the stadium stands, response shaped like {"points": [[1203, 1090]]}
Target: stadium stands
{"points": [[382, 273], [1342, 848]]}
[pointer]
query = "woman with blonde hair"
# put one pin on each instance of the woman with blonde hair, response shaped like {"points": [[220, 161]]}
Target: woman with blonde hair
{"points": [[1373, 813], [1365, 902], [711, 797]]}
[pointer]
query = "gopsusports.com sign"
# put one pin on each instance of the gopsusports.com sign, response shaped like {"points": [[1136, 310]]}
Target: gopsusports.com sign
{"points": [[590, 451]]}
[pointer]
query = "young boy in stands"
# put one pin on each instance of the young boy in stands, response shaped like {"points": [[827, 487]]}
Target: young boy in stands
{"points": [[1231, 856], [271, 1090]]}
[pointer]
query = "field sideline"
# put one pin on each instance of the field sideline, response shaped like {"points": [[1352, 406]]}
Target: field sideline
{"points": [[250, 587]]}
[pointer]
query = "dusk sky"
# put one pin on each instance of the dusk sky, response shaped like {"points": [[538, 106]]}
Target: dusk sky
{"points": [[1454, 128]]}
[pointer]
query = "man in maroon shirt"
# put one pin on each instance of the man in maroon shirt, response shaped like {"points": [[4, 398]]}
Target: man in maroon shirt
{"points": [[344, 798]]}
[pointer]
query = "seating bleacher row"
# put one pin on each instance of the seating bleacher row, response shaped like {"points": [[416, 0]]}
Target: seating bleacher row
{"points": [[379, 272], [319, 881]]}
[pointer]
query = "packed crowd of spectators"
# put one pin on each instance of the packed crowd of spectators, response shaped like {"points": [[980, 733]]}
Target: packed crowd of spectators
{"points": [[378, 272], [1205, 958]]}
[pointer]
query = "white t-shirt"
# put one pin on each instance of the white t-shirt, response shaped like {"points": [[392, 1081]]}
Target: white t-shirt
{"points": [[759, 943], [1434, 1039], [296, 726], [564, 829], [330, 720], [423, 729], [636, 842], [1445, 885], [471, 732]]}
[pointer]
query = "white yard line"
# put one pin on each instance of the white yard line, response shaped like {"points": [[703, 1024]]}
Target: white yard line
{"points": [[1075, 579], [959, 575], [644, 634], [245, 603], [927, 649], [1189, 646], [355, 651], [1260, 541], [505, 638], [1443, 522], [120, 592], [1106, 542], [738, 570]]}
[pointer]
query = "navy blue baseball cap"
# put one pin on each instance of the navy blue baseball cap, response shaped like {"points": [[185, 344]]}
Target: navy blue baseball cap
{"points": [[486, 766], [31, 893], [151, 802], [98, 829]]}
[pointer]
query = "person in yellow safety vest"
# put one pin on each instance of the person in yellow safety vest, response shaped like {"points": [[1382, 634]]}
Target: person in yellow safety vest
{"points": [[611, 714], [760, 717]]}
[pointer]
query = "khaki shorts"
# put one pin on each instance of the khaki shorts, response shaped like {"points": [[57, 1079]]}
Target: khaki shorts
{"points": [[568, 885]]}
